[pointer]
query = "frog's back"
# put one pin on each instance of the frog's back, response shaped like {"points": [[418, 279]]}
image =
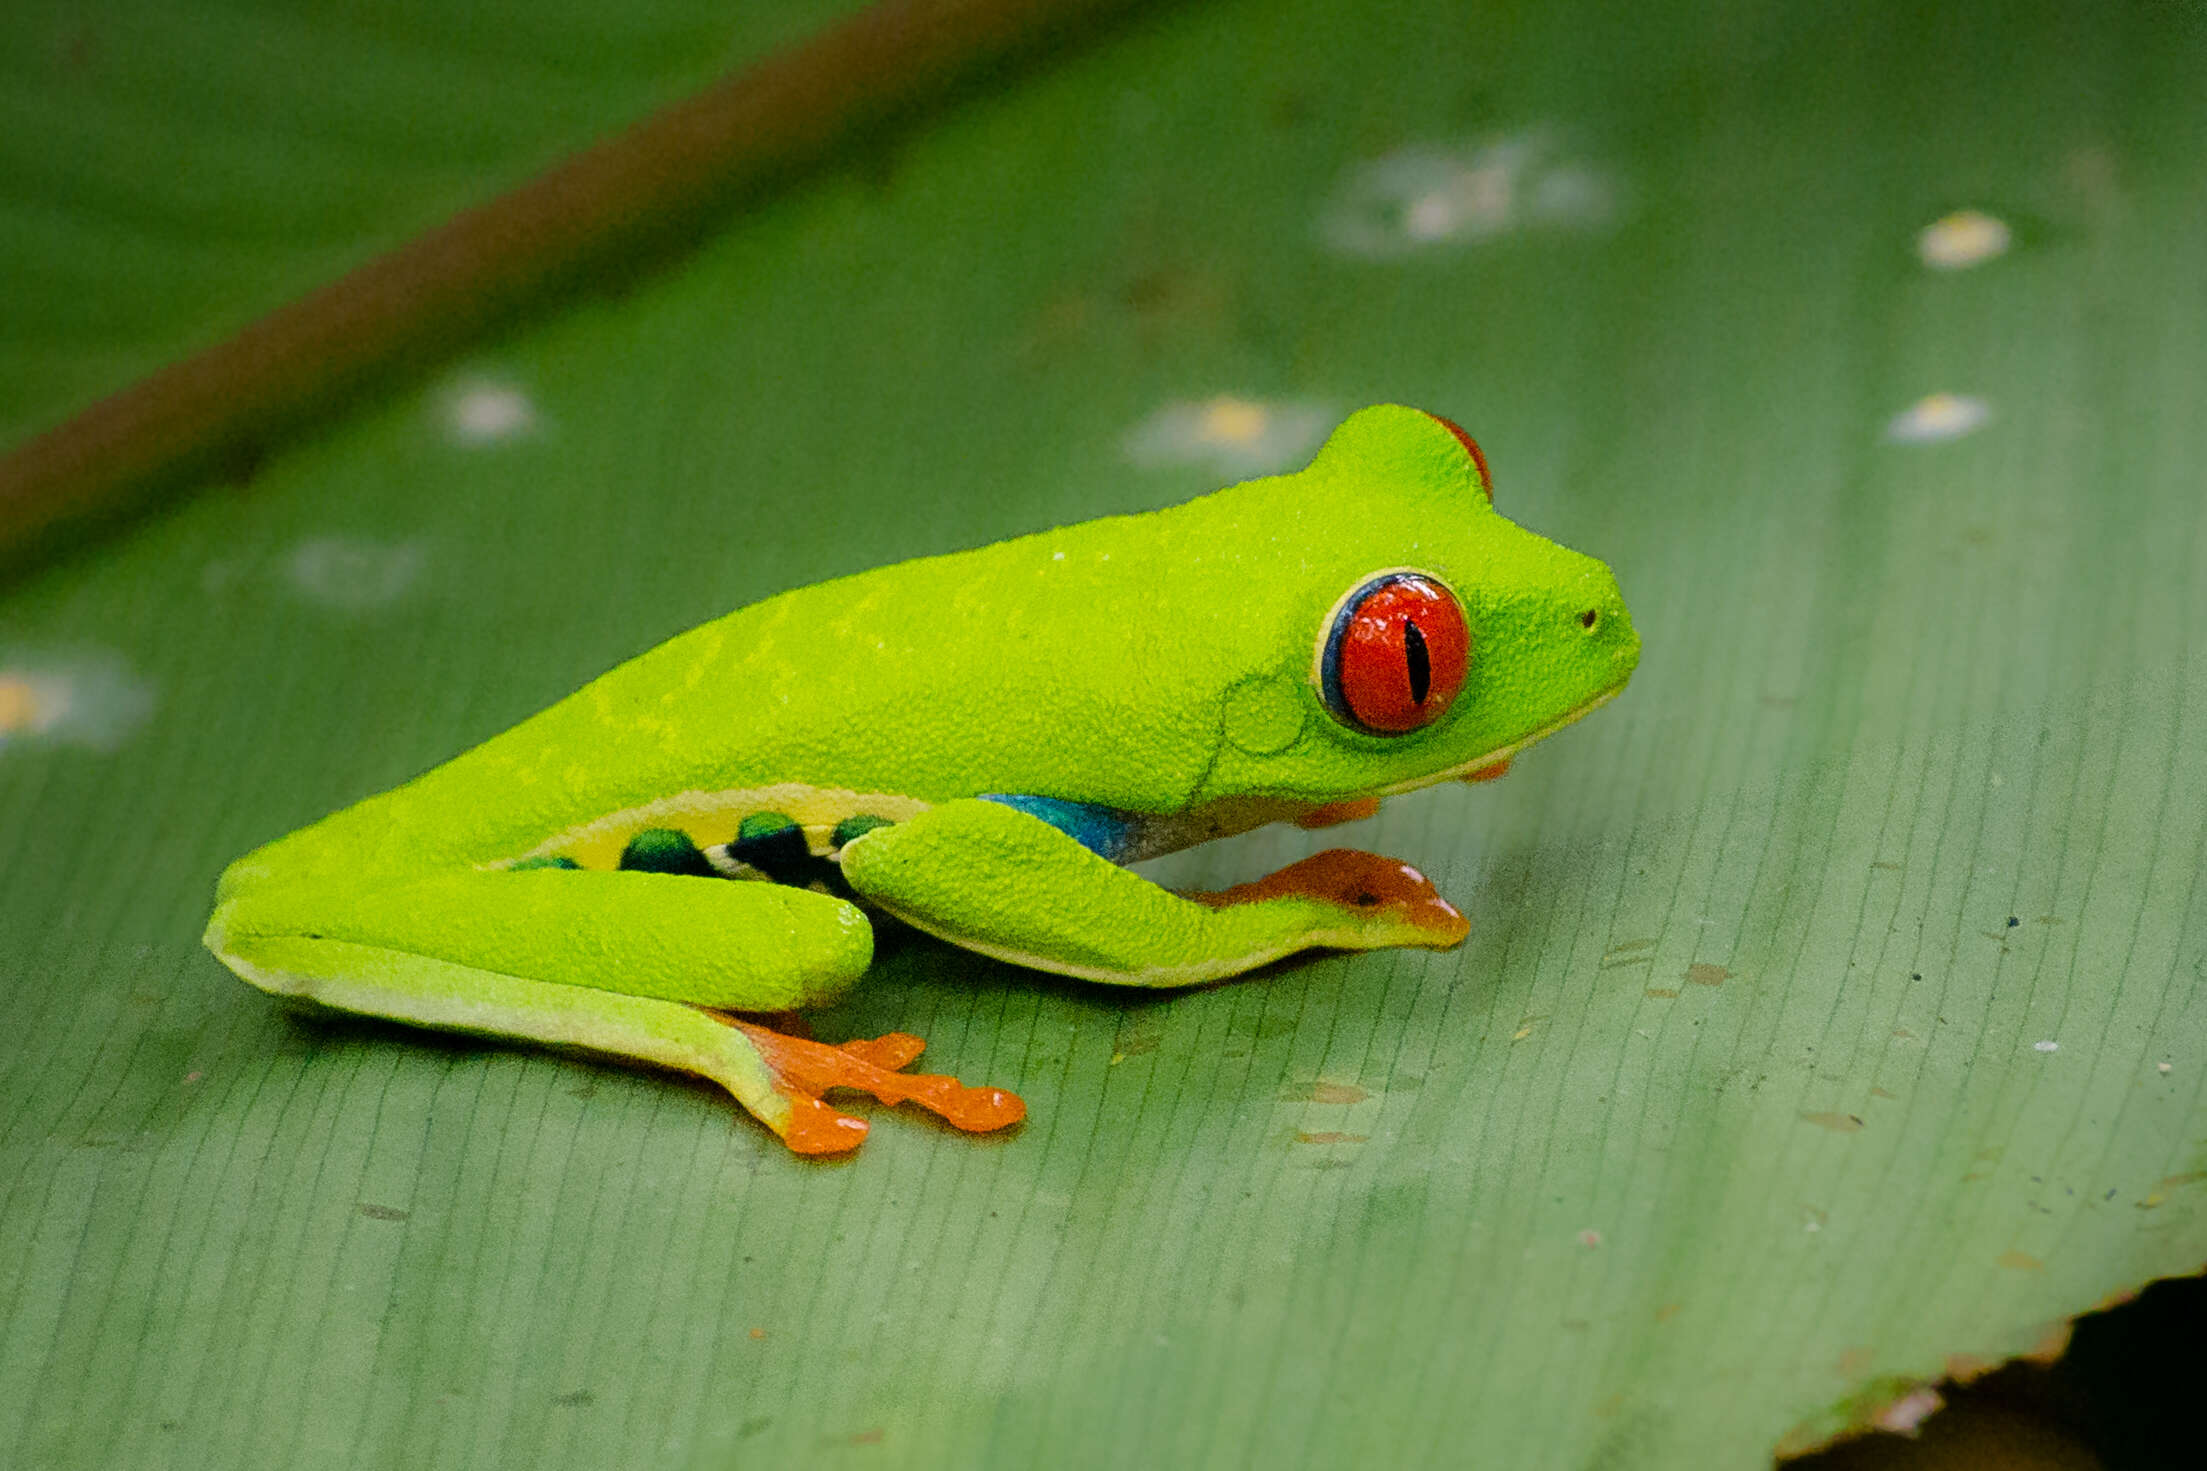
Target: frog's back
{"points": [[892, 689], [1089, 663]]}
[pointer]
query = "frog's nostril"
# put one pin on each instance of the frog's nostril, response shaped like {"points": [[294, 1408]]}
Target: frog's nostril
{"points": [[1591, 619]]}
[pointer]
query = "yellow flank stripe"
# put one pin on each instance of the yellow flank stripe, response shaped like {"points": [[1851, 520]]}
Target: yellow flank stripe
{"points": [[712, 817]]}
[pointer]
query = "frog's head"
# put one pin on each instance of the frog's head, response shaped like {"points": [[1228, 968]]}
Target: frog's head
{"points": [[1431, 637]]}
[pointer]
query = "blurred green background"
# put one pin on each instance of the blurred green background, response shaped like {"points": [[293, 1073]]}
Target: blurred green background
{"points": [[1832, 1015]]}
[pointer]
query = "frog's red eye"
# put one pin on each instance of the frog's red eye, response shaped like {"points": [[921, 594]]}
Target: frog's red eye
{"points": [[1471, 447], [1395, 654]]}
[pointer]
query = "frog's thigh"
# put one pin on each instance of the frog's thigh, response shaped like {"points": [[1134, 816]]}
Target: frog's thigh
{"points": [[618, 963], [995, 880], [377, 981], [711, 942]]}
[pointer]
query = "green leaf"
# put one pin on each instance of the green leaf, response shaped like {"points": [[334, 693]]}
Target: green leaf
{"points": [[1733, 1119]]}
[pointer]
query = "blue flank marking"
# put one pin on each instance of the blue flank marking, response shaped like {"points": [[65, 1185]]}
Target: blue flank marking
{"points": [[1106, 832]]}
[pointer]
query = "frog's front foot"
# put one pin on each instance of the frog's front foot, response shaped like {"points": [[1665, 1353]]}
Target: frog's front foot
{"points": [[801, 1070], [1361, 901]]}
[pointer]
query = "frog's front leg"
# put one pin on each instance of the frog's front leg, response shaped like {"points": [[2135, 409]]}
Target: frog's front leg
{"points": [[638, 965], [1002, 882]]}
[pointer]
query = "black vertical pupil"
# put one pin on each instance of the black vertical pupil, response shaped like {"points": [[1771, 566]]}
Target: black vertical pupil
{"points": [[1420, 662]]}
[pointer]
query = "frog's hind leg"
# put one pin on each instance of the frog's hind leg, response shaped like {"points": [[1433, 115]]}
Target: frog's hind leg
{"points": [[633, 965], [427, 992]]}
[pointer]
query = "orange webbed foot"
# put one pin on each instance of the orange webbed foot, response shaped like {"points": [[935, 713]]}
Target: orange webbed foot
{"points": [[804, 1069]]}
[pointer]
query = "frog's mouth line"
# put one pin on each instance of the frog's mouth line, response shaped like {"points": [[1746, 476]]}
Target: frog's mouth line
{"points": [[1501, 754], [1155, 836]]}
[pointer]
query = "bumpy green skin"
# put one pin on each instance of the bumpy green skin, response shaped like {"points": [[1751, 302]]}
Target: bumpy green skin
{"points": [[1160, 664]]}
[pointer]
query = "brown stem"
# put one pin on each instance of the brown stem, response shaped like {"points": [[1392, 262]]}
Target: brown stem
{"points": [[642, 188]]}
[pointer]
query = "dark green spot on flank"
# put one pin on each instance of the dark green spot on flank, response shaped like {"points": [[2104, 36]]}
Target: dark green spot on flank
{"points": [[544, 863], [776, 847], [665, 850], [858, 827]]}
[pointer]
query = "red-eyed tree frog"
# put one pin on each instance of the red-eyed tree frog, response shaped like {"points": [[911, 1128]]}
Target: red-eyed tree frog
{"points": [[976, 745]]}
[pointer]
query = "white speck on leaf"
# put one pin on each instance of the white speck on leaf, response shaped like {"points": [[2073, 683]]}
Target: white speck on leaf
{"points": [[483, 411], [2046, 1047], [1965, 238], [1938, 417], [1429, 196], [1905, 1416], [354, 574], [88, 698], [1232, 435]]}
